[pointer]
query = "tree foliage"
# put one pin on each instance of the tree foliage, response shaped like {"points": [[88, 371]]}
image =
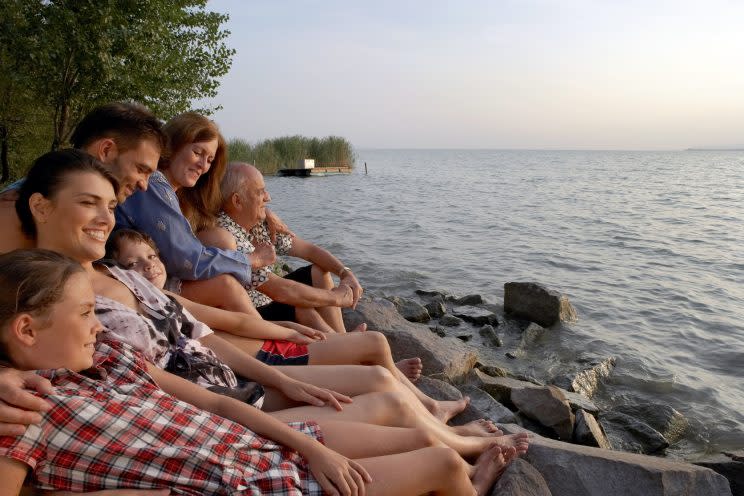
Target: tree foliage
{"points": [[68, 56]]}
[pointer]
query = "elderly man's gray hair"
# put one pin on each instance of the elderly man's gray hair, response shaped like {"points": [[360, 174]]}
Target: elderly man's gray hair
{"points": [[234, 180]]}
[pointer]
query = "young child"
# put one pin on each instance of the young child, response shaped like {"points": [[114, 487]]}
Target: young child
{"points": [[137, 251], [111, 426]]}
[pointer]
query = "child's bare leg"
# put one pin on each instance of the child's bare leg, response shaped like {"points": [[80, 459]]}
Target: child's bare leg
{"points": [[248, 345], [371, 348], [223, 291], [429, 470], [331, 315], [358, 440]]}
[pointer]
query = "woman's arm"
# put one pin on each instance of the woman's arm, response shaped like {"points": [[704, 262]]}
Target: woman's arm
{"points": [[248, 326], [330, 469]]}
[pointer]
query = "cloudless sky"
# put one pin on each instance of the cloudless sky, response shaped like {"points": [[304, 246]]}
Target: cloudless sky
{"points": [[569, 74]]}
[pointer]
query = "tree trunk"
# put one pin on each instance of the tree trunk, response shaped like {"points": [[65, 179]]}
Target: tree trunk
{"points": [[63, 118], [4, 138]]}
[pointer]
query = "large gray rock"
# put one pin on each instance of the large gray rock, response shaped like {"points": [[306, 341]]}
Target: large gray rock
{"points": [[482, 405], [730, 468], [411, 310], [475, 315], [438, 389], [435, 295], [588, 432], [520, 479], [587, 381], [548, 406], [574, 470], [665, 419], [531, 335], [534, 302], [446, 357], [631, 434], [580, 402]]}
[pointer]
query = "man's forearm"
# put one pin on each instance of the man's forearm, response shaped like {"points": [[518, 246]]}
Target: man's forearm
{"points": [[297, 294]]}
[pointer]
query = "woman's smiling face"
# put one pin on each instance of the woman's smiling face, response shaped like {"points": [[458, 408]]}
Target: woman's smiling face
{"points": [[190, 162], [78, 219]]}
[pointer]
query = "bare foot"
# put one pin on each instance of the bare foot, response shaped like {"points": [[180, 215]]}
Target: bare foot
{"points": [[445, 410], [480, 427], [360, 328], [487, 469], [520, 442], [411, 368]]}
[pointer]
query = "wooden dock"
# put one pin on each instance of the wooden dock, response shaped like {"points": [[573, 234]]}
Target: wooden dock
{"points": [[319, 170]]}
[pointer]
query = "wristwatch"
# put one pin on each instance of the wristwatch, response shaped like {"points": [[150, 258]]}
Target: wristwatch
{"points": [[343, 272]]}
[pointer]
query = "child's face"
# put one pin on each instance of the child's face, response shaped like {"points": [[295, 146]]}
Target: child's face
{"points": [[141, 258], [66, 338]]}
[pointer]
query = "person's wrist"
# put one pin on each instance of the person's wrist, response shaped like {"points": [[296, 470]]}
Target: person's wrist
{"points": [[345, 271]]}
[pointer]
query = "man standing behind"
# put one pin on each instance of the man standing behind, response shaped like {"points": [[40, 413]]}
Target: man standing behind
{"points": [[126, 137]]}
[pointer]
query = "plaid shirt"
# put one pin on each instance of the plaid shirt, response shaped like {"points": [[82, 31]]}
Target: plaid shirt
{"points": [[112, 427]]}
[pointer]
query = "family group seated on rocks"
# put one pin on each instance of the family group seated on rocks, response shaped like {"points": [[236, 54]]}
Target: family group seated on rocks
{"points": [[149, 346]]}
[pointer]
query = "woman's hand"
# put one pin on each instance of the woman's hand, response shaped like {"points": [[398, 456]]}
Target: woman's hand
{"points": [[336, 474], [312, 395]]}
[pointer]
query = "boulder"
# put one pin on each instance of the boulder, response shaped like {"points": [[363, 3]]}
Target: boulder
{"points": [[665, 419], [475, 315], [631, 434], [579, 401], [588, 432], [531, 335], [472, 299], [548, 406], [482, 405], [435, 308], [587, 381], [445, 357], [737, 455], [411, 310], [490, 335], [520, 479], [728, 467], [574, 470], [450, 320], [498, 387], [536, 303], [438, 389]]}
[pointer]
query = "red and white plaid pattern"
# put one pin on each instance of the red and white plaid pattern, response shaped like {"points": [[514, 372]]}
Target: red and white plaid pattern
{"points": [[112, 427]]}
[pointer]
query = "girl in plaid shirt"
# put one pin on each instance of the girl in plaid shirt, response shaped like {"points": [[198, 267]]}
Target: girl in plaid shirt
{"points": [[110, 425]]}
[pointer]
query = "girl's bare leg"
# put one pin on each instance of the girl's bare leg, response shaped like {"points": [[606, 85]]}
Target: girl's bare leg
{"points": [[371, 348], [392, 409], [248, 345], [358, 440], [435, 470]]}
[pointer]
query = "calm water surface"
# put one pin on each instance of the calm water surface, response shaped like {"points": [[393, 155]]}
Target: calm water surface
{"points": [[649, 246]]}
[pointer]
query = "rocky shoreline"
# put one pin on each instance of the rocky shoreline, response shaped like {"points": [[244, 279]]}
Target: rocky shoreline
{"points": [[577, 448]]}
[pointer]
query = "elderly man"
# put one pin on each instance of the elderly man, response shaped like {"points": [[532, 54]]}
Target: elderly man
{"points": [[307, 295]]}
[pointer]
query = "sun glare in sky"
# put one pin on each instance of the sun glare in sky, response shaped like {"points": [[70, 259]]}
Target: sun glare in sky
{"points": [[487, 74]]}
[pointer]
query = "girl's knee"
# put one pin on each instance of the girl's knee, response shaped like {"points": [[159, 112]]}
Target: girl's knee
{"points": [[398, 406], [379, 378]]}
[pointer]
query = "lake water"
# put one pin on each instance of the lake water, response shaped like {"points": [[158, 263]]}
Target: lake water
{"points": [[649, 246]]}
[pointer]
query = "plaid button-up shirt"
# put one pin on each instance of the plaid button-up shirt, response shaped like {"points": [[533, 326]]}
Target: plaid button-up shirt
{"points": [[112, 427]]}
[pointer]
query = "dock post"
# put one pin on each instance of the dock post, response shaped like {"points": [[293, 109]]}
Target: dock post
{"points": [[365, 168]]}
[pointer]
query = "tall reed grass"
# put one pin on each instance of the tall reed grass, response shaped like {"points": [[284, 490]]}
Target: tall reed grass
{"points": [[280, 153]]}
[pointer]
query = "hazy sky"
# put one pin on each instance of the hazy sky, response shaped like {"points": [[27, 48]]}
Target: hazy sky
{"points": [[487, 74]]}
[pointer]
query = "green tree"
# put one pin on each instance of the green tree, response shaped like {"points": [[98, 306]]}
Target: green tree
{"points": [[72, 55]]}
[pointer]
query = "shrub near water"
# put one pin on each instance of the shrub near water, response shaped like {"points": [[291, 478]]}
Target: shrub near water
{"points": [[281, 153]]}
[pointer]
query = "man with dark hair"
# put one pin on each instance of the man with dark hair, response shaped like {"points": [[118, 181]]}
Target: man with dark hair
{"points": [[126, 137]]}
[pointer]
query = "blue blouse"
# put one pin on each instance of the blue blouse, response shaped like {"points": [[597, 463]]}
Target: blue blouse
{"points": [[157, 213]]}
